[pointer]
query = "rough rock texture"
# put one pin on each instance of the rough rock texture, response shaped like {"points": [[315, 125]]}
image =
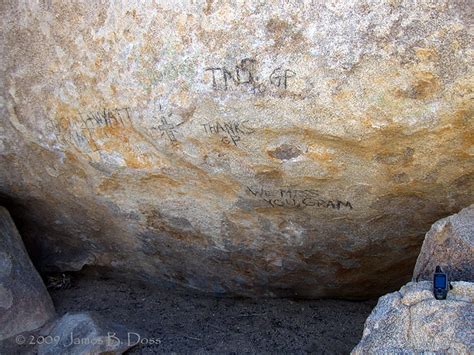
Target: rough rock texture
{"points": [[412, 321], [449, 243], [24, 302], [259, 148], [86, 333]]}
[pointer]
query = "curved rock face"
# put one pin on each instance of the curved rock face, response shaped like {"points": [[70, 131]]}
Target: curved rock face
{"points": [[449, 244], [25, 304], [258, 149]]}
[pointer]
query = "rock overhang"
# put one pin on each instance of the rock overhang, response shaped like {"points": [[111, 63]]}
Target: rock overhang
{"points": [[160, 140]]}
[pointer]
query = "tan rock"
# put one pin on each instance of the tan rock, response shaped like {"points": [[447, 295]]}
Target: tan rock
{"points": [[449, 244], [261, 149]]}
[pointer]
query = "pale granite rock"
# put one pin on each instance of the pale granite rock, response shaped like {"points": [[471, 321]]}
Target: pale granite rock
{"points": [[450, 244], [412, 321], [24, 302], [259, 148]]}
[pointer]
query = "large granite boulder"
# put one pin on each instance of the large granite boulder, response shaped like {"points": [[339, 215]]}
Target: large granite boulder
{"points": [[24, 301], [450, 244], [266, 148], [412, 321]]}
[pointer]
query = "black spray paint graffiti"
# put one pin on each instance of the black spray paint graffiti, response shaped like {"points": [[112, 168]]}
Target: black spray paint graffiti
{"points": [[245, 74], [167, 127], [231, 131], [295, 198], [119, 117], [85, 127]]}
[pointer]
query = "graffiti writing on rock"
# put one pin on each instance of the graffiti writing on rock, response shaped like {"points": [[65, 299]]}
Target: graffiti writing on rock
{"points": [[88, 126], [297, 198], [166, 125], [246, 75], [231, 132], [119, 117]]}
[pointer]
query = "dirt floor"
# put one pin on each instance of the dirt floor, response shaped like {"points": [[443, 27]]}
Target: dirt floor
{"points": [[188, 322], [180, 321]]}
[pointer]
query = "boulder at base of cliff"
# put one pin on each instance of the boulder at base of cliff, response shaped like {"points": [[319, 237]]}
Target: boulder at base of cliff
{"points": [[87, 333], [412, 320], [450, 244], [24, 301]]}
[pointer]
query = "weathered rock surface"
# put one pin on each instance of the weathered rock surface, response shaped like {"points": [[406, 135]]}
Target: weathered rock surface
{"points": [[449, 243], [24, 302], [260, 148], [413, 321], [87, 333]]}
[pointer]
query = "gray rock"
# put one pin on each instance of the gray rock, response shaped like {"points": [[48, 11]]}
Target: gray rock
{"points": [[450, 244], [412, 321], [87, 333], [24, 301]]}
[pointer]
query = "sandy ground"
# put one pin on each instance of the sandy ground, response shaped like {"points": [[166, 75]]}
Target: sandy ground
{"points": [[189, 322]]}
